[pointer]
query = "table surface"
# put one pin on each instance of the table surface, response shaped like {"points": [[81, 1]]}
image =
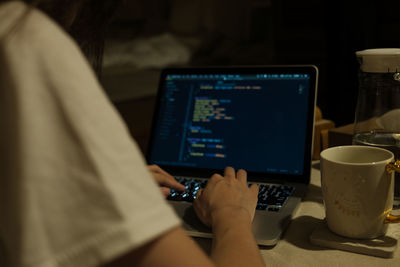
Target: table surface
{"points": [[295, 249]]}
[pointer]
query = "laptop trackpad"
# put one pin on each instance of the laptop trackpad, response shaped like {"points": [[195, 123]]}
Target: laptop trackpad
{"points": [[191, 222]]}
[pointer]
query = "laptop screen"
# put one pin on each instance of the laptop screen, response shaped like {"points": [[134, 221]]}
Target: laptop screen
{"points": [[257, 119]]}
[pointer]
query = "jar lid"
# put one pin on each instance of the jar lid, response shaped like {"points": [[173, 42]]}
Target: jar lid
{"points": [[379, 60]]}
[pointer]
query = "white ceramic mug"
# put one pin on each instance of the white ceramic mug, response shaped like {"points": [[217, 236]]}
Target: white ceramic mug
{"points": [[357, 186]]}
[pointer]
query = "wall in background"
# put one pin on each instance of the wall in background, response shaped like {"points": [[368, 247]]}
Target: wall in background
{"points": [[242, 32]]}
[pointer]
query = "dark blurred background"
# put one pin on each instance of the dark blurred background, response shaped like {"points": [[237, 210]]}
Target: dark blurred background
{"points": [[149, 35]]}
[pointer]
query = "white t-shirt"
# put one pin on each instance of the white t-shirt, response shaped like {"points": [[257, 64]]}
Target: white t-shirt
{"points": [[74, 189]]}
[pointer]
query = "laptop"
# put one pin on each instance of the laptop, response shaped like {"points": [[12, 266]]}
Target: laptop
{"points": [[256, 118]]}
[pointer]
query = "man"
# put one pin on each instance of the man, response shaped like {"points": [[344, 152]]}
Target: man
{"points": [[74, 188]]}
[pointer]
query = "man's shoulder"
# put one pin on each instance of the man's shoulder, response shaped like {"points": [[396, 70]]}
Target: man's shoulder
{"points": [[10, 12], [23, 25]]}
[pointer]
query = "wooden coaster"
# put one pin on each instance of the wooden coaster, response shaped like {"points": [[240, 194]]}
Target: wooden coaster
{"points": [[383, 247]]}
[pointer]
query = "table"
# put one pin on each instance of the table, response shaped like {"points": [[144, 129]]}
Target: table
{"points": [[294, 249]]}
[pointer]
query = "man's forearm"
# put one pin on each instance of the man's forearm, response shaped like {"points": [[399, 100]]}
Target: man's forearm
{"points": [[234, 244]]}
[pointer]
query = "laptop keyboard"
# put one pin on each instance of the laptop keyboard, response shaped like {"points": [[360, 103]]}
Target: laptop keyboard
{"points": [[270, 197]]}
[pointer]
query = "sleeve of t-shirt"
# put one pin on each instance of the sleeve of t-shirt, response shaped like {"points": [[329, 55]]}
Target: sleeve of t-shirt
{"points": [[74, 188]]}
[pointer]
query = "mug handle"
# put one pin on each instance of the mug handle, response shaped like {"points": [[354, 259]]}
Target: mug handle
{"points": [[391, 167]]}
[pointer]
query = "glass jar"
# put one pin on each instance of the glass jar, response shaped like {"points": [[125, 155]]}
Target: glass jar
{"points": [[377, 117]]}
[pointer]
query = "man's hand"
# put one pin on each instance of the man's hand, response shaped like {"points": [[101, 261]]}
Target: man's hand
{"points": [[165, 180], [228, 205], [226, 198]]}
